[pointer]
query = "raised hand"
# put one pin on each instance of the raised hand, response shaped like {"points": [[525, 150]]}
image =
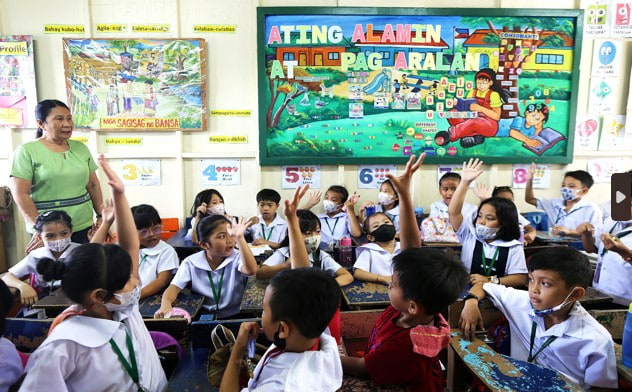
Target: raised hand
{"points": [[107, 211], [482, 191], [531, 171], [402, 182], [238, 229], [471, 170], [292, 205], [113, 180]]}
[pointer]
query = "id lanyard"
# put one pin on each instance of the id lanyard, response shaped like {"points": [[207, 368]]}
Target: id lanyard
{"points": [[131, 367], [263, 232], [275, 352], [330, 229], [217, 293], [550, 340], [559, 214], [488, 268]]}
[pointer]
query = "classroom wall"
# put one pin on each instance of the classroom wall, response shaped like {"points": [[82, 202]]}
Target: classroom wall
{"points": [[231, 84]]}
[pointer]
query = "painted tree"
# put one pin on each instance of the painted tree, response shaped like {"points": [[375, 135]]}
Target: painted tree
{"points": [[551, 33], [285, 90], [177, 53]]}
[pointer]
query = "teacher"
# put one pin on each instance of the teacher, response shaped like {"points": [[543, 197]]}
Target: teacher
{"points": [[55, 173]]}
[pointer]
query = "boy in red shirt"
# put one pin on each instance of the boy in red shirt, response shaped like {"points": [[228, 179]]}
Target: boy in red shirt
{"points": [[410, 333]]}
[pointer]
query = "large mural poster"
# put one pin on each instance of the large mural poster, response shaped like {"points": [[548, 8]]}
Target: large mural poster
{"points": [[136, 84], [341, 85]]}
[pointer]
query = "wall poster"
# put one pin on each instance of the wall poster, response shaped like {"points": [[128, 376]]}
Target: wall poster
{"points": [[137, 84], [375, 85], [18, 96]]}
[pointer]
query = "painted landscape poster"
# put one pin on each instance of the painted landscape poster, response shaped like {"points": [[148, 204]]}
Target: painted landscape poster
{"points": [[136, 84], [18, 96], [358, 85]]}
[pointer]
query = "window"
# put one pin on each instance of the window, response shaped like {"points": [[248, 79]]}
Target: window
{"points": [[549, 59], [333, 56], [288, 56]]}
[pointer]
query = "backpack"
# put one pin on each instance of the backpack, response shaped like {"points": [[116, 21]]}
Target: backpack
{"points": [[499, 330], [437, 230]]}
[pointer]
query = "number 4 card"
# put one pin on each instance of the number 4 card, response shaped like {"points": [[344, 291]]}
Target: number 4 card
{"points": [[220, 172], [295, 176], [371, 176], [541, 178]]}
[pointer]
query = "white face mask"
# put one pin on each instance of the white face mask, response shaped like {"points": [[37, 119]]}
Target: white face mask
{"points": [[546, 312], [569, 194], [486, 233], [312, 243], [384, 198], [329, 206], [59, 245], [126, 300], [217, 209]]}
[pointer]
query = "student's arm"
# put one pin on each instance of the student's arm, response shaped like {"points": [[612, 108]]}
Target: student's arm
{"points": [[166, 302], [161, 281], [471, 319], [125, 226], [248, 263], [529, 234], [354, 224], [529, 196], [352, 366], [268, 271], [471, 171], [107, 211], [513, 280], [343, 277], [586, 232], [298, 253], [28, 295], [230, 379], [408, 230], [367, 276]]}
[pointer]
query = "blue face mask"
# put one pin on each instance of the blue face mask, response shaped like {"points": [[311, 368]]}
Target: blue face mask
{"points": [[485, 233], [546, 312]]}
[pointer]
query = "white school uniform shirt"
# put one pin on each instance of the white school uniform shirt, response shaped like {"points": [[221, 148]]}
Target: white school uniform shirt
{"points": [[393, 214], [189, 235], [276, 231], [28, 265], [194, 270], [516, 263], [583, 211], [77, 356], [10, 364], [583, 350], [615, 274], [333, 229], [153, 261], [309, 371], [327, 262], [373, 258]]}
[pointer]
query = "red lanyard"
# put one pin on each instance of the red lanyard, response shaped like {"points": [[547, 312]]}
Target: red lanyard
{"points": [[275, 352]]}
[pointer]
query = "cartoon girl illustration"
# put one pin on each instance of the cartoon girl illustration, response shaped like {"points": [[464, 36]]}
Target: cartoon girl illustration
{"points": [[488, 105]]}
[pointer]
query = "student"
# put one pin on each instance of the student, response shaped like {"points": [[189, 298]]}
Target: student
{"points": [[447, 186], [388, 202], [613, 245], [268, 228], [310, 231], [158, 260], [569, 211], [374, 260], [297, 305], [548, 325], [103, 343], [408, 336], [11, 367], [217, 271], [207, 202], [336, 223], [54, 228]]}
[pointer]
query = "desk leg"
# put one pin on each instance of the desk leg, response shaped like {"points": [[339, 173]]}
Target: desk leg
{"points": [[451, 363]]}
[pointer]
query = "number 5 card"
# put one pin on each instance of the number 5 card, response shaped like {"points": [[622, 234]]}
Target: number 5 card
{"points": [[295, 176]]}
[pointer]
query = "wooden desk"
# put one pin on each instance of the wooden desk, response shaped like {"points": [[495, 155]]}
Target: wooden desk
{"points": [[359, 294], [594, 298], [252, 301], [184, 248], [544, 236], [190, 374], [53, 304], [501, 373]]}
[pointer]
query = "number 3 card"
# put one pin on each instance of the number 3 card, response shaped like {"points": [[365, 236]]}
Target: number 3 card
{"points": [[295, 176], [140, 172], [220, 172]]}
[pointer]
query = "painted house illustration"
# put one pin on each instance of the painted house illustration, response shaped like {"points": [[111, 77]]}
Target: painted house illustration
{"points": [[389, 50], [320, 54]]}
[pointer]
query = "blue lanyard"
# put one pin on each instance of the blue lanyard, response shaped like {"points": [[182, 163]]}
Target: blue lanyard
{"points": [[560, 212]]}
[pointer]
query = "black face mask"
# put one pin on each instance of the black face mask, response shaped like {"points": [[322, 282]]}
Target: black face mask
{"points": [[384, 233]]}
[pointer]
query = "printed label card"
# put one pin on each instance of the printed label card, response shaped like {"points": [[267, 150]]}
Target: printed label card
{"points": [[372, 176], [140, 172], [541, 178], [612, 133], [587, 133], [295, 176], [220, 172]]}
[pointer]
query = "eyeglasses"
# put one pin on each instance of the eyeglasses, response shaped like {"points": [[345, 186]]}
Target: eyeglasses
{"points": [[154, 230]]}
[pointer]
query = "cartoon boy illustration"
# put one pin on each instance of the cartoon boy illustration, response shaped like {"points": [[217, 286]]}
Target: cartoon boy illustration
{"points": [[526, 128]]}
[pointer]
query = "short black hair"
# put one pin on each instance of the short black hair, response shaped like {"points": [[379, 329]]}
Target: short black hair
{"points": [[306, 297], [52, 216], [340, 189], [366, 226], [307, 221], [572, 266], [6, 303], [507, 215], [204, 197], [582, 176], [89, 267], [450, 175], [208, 224], [430, 277], [43, 109], [501, 189], [268, 195], [145, 216]]}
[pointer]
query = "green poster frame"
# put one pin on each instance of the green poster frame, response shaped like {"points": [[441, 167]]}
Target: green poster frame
{"points": [[358, 92]]}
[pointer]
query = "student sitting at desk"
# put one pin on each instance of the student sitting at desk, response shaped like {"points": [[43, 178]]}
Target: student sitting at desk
{"points": [[408, 336], [388, 203], [310, 230], [374, 260], [297, 306], [217, 271], [268, 228], [10, 362], [548, 325], [207, 202], [569, 211], [54, 228]]}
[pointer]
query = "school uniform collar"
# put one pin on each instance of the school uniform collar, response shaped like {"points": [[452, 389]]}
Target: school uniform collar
{"points": [[199, 261], [95, 332], [560, 206], [338, 215], [393, 211], [501, 243], [377, 248], [277, 221], [573, 326], [45, 252], [156, 250]]}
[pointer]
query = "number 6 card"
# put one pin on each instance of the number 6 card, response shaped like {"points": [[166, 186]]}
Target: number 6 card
{"points": [[371, 176]]}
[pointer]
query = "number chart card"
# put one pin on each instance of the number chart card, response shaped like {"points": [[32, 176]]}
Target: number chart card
{"points": [[295, 176], [371, 176], [443, 169], [141, 172], [603, 168], [220, 172], [541, 178]]}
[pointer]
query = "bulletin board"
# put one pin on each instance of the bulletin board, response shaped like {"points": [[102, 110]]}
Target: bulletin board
{"points": [[137, 84], [18, 96], [376, 85]]}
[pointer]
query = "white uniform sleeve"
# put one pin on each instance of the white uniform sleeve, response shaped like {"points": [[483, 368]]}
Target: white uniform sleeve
{"points": [[363, 259], [499, 294], [50, 366], [596, 218], [547, 205], [24, 267], [524, 222], [168, 260], [516, 263], [601, 367], [277, 257], [183, 276], [329, 264], [434, 210], [464, 233]]}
